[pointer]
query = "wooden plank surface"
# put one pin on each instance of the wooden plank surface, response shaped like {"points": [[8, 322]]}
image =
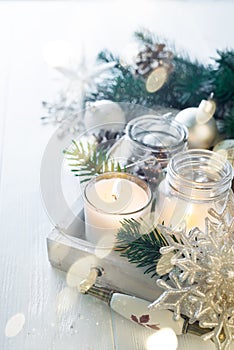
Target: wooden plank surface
{"points": [[56, 316]]}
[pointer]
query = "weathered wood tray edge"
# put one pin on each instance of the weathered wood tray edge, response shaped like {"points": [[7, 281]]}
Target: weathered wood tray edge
{"points": [[64, 250]]}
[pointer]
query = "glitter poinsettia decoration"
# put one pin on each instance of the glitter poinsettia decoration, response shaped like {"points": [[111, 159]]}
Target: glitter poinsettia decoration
{"points": [[200, 284]]}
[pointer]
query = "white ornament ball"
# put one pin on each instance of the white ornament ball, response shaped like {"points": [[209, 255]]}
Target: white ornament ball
{"points": [[201, 134], [103, 112]]}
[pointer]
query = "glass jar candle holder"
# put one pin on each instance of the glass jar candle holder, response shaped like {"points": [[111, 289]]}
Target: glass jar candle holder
{"points": [[109, 199], [196, 181], [150, 139]]}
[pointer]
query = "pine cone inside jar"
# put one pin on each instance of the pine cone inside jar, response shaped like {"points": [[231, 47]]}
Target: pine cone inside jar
{"points": [[151, 58], [106, 138], [148, 170]]}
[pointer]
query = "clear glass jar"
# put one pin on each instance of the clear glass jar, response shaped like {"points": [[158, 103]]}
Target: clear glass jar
{"points": [[111, 198], [196, 181], [147, 139]]}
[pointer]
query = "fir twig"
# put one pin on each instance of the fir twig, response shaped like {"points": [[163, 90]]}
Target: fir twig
{"points": [[189, 83], [140, 244], [144, 36], [87, 160]]}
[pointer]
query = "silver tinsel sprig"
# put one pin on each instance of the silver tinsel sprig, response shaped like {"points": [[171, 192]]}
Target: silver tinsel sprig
{"points": [[200, 284]]}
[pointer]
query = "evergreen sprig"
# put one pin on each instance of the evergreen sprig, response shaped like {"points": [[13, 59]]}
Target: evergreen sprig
{"points": [[140, 244], [189, 83], [87, 160]]}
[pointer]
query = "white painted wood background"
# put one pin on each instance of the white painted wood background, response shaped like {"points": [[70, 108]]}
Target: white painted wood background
{"points": [[56, 317]]}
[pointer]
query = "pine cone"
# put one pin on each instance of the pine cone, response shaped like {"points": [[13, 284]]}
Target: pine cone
{"points": [[153, 57], [107, 138]]}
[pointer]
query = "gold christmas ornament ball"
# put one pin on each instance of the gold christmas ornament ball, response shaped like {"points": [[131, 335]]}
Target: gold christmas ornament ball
{"points": [[201, 125]]}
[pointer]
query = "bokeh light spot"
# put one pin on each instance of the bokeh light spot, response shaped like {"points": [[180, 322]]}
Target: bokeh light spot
{"points": [[104, 247], [156, 79], [14, 325], [165, 338], [80, 270]]}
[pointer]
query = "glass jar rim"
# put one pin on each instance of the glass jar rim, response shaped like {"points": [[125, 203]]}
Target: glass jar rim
{"points": [[119, 175], [208, 158], [158, 120]]}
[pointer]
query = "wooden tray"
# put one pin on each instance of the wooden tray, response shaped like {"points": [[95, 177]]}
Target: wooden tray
{"points": [[66, 248]]}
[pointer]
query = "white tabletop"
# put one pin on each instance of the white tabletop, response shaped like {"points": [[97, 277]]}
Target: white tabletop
{"points": [[57, 317]]}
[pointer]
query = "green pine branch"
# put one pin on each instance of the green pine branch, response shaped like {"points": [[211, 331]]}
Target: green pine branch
{"points": [[140, 244], [107, 56], [144, 37], [87, 160], [189, 83], [228, 123]]}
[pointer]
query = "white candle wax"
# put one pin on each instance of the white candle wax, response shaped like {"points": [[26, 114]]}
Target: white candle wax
{"points": [[108, 201]]}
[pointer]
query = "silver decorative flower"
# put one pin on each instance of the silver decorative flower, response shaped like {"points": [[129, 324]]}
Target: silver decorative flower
{"points": [[201, 284]]}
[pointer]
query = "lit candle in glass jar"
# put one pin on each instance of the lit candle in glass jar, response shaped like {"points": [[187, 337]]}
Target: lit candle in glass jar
{"points": [[196, 181], [109, 199]]}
